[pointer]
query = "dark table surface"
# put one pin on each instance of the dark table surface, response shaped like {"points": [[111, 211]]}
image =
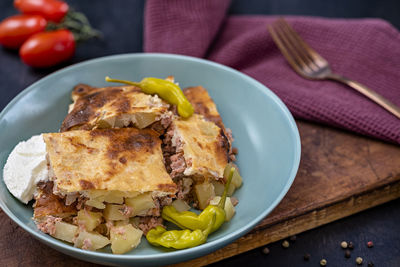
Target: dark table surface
{"points": [[121, 23]]}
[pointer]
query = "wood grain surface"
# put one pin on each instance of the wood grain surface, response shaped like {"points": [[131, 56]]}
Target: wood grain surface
{"points": [[340, 174]]}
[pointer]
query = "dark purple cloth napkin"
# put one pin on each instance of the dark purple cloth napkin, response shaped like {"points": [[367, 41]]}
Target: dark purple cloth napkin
{"points": [[366, 50]]}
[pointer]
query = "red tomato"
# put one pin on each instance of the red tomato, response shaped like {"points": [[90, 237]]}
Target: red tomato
{"points": [[16, 29], [47, 49], [53, 10]]}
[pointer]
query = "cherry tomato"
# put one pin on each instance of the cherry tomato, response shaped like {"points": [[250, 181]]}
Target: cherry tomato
{"points": [[47, 49], [52, 10], [16, 29]]}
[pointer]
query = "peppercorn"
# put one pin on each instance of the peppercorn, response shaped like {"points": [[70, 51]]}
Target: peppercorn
{"points": [[343, 244], [359, 260], [323, 262], [285, 244], [347, 253], [350, 245], [370, 244], [370, 264], [265, 251], [293, 238], [307, 257]]}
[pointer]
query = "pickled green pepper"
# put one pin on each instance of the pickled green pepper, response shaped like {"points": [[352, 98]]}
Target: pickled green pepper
{"points": [[192, 221], [167, 90], [179, 239]]}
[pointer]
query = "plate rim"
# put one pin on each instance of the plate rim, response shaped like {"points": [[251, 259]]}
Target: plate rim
{"points": [[191, 252]]}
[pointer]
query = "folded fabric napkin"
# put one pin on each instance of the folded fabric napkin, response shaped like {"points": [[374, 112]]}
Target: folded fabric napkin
{"points": [[366, 50]]}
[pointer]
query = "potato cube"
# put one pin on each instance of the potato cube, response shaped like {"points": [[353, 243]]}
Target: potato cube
{"points": [[124, 238], [114, 212], [180, 205], [218, 188], [95, 203], [204, 192], [140, 204], [115, 197], [236, 178], [89, 219], [65, 231], [91, 241], [229, 208]]}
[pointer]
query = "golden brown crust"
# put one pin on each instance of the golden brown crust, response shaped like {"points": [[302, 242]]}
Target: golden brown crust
{"points": [[124, 159], [96, 107], [203, 104], [205, 147]]}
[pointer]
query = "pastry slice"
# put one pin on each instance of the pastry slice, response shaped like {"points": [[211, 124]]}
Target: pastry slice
{"points": [[114, 107]]}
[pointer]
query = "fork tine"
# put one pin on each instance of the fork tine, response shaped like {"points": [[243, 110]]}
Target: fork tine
{"points": [[297, 46], [287, 49], [312, 54]]}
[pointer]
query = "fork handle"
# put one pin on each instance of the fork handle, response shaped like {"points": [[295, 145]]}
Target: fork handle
{"points": [[377, 98]]}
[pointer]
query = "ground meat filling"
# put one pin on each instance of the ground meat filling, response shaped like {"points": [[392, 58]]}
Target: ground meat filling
{"points": [[48, 226], [149, 222], [173, 154]]}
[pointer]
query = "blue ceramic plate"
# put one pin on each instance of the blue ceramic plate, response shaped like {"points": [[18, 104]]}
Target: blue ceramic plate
{"points": [[264, 131]]}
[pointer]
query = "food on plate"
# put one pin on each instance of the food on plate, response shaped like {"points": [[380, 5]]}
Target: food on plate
{"points": [[25, 167], [125, 161], [110, 107], [195, 228], [166, 89]]}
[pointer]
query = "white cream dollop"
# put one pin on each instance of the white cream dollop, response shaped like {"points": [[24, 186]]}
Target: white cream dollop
{"points": [[25, 167]]}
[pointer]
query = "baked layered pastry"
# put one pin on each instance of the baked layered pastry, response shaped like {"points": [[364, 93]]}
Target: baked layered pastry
{"points": [[114, 107], [196, 151], [102, 180]]}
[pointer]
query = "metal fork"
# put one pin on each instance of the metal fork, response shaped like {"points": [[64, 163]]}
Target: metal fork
{"points": [[309, 64]]}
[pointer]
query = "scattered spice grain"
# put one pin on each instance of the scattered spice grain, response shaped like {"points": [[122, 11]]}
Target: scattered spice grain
{"points": [[285, 244], [323, 262], [265, 251], [293, 238], [370, 244], [350, 245], [347, 253], [359, 260], [343, 244], [370, 264]]}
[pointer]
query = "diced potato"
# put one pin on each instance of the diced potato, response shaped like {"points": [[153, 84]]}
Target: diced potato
{"points": [[124, 238], [93, 241], [113, 212], [229, 208], [89, 219], [121, 223], [140, 203], [65, 231], [180, 205], [219, 188], [204, 192], [144, 119], [236, 178], [95, 203], [115, 197]]}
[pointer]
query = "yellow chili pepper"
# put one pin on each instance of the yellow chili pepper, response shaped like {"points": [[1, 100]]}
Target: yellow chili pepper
{"points": [[192, 221], [179, 239], [167, 90]]}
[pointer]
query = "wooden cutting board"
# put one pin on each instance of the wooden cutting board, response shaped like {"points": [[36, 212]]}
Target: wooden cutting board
{"points": [[340, 174]]}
